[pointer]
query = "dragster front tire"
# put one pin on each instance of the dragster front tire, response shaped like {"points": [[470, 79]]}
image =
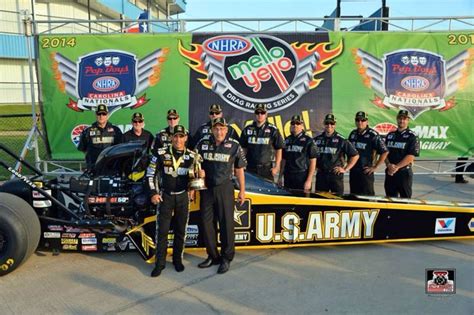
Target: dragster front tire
{"points": [[20, 232]]}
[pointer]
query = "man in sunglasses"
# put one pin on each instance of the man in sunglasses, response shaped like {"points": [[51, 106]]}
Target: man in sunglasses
{"points": [[205, 130], [100, 135], [403, 146], [332, 152], [299, 157], [170, 166], [138, 133], [261, 141], [370, 145], [164, 137]]}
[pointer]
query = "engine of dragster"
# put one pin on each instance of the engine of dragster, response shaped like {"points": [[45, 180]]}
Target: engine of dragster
{"points": [[115, 187]]}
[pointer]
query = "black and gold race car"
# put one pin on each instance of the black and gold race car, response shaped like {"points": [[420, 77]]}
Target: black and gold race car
{"points": [[107, 210]]}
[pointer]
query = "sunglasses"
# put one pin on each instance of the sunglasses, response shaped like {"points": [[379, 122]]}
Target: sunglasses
{"points": [[359, 120], [214, 113], [137, 121], [293, 123], [101, 114], [172, 118], [260, 113], [329, 123]]}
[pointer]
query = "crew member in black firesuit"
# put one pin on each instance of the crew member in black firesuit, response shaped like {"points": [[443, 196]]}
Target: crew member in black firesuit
{"points": [[99, 136], [222, 155], [138, 133], [332, 148], [370, 145], [260, 141], [164, 137], [299, 157], [205, 130], [403, 146], [170, 166]]}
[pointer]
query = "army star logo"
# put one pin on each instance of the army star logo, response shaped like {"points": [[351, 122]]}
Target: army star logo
{"points": [[237, 215]]}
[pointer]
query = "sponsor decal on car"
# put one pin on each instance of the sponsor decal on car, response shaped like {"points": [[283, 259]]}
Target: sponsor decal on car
{"points": [[330, 225], [68, 235], [52, 235], [89, 241], [445, 225], [69, 247], [109, 240], [69, 241], [87, 235], [89, 248]]}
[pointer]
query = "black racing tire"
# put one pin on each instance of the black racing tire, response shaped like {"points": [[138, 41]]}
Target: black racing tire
{"points": [[20, 232]]}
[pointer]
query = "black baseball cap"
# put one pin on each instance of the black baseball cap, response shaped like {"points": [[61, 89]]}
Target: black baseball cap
{"points": [[297, 118], [215, 108], [179, 129], [260, 108], [101, 109], [403, 112], [219, 121], [329, 118], [172, 113], [361, 115], [137, 117]]}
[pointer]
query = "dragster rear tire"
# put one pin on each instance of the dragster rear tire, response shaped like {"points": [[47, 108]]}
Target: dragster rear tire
{"points": [[20, 232]]}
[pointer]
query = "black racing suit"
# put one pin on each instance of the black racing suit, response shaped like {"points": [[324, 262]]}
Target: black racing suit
{"points": [[260, 143], [94, 139], [172, 167], [298, 152], [400, 144], [331, 152], [217, 201], [367, 143]]}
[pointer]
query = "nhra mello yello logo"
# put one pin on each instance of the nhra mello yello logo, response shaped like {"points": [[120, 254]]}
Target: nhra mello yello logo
{"points": [[260, 69], [111, 77], [414, 79]]}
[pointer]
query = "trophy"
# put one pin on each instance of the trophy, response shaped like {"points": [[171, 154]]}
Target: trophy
{"points": [[195, 182]]}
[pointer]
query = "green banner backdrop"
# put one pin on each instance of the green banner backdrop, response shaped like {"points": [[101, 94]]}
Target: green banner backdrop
{"points": [[428, 74]]}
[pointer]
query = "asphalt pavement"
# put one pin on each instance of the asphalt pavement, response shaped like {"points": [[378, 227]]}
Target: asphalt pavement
{"points": [[352, 279]]}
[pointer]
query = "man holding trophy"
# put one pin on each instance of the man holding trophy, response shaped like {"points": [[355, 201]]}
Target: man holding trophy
{"points": [[222, 156], [172, 167]]}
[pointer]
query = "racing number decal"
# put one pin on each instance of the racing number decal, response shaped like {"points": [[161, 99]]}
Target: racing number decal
{"points": [[7, 264]]}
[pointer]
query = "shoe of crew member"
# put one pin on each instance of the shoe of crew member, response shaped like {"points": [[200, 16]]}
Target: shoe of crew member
{"points": [[224, 266], [208, 262], [156, 272], [178, 266]]}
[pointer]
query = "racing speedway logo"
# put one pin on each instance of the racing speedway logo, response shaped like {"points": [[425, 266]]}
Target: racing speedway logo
{"points": [[110, 77], [413, 79], [259, 69]]}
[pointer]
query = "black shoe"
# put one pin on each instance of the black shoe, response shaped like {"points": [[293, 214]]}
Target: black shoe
{"points": [[462, 181], [224, 266], [157, 271], [178, 266], [208, 262]]}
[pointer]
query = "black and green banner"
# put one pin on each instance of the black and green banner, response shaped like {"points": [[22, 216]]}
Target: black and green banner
{"points": [[310, 74]]}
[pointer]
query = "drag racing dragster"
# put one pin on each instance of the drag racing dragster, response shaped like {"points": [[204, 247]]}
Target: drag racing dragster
{"points": [[108, 209]]}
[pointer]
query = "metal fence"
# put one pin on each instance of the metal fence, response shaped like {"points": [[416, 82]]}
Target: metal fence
{"points": [[15, 131]]}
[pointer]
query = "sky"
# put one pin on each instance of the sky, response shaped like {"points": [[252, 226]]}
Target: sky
{"points": [[224, 9]]}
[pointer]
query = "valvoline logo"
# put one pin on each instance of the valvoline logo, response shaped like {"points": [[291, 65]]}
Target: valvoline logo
{"points": [[445, 225], [106, 84], [415, 83], [227, 45]]}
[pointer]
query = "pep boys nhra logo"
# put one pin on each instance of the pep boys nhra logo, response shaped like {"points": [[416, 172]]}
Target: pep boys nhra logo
{"points": [[110, 77], [259, 69], [414, 79]]}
